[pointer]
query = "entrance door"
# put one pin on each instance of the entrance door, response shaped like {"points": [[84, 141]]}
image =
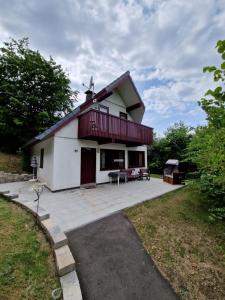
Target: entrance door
{"points": [[88, 165]]}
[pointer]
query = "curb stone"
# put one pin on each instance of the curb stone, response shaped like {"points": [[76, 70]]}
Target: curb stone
{"points": [[71, 286], [56, 236], [64, 260]]}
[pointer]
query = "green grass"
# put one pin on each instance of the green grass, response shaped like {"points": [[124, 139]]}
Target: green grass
{"points": [[188, 250], [27, 269], [10, 163], [157, 176]]}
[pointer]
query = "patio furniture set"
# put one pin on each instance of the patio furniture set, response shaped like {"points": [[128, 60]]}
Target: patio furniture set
{"points": [[129, 174]]}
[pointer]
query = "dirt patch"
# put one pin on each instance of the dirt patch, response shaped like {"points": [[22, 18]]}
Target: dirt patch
{"points": [[10, 163]]}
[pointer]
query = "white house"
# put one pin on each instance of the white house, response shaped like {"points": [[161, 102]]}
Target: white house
{"points": [[101, 135]]}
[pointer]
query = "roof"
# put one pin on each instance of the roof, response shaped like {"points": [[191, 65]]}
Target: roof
{"points": [[173, 162], [51, 130], [101, 95]]}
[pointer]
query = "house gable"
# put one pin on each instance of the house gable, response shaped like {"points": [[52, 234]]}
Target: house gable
{"points": [[120, 91], [115, 104]]}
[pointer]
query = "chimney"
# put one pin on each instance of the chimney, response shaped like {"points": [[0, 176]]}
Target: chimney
{"points": [[90, 89], [89, 95]]}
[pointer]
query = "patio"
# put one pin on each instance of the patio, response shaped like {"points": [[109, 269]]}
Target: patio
{"points": [[74, 208]]}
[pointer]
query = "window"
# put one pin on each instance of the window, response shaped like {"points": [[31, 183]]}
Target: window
{"points": [[136, 159], [123, 115], [42, 158], [112, 159], [103, 108]]}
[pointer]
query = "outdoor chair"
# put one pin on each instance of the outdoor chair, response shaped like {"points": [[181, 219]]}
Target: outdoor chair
{"points": [[144, 173]]}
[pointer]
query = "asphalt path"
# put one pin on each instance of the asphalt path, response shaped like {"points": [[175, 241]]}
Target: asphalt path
{"points": [[113, 265]]}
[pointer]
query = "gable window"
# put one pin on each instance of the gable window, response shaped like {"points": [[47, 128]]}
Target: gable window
{"points": [[41, 158], [136, 159], [112, 159], [123, 115], [103, 108]]}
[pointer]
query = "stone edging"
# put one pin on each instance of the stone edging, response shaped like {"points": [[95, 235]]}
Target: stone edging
{"points": [[13, 177], [65, 262]]}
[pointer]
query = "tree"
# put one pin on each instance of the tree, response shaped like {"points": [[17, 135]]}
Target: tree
{"points": [[34, 94], [214, 102], [207, 148], [173, 145]]}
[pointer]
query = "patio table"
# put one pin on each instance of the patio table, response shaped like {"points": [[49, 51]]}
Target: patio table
{"points": [[117, 175]]}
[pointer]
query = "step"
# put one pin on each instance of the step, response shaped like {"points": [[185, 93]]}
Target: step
{"points": [[57, 237], [4, 192], [71, 287], [42, 213], [12, 196], [64, 260]]}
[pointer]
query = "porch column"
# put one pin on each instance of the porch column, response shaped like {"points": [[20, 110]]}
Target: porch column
{"points": [[126, 159]]}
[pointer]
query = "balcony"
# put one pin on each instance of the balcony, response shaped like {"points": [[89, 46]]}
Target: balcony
{"points": [[105, 128]]}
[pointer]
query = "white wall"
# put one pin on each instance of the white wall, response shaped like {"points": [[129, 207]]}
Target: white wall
{"points": [[67, 159], [115, 105], [45, 174]]}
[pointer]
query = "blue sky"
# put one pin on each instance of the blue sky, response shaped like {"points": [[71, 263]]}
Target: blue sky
{"points": [[164, 43]]}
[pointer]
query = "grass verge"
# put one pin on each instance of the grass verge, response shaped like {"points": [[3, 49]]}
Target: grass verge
{"points": [[27, 269], [157, 176], [188, 250]]}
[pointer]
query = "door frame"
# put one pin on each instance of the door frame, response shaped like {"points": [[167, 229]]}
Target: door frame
{"points": [[91, 148]]}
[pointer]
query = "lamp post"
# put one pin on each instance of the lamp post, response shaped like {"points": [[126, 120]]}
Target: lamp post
{"points": [[34, 165]]}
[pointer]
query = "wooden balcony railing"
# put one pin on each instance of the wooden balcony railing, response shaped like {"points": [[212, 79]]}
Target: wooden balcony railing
{"points": [[96, 125]]}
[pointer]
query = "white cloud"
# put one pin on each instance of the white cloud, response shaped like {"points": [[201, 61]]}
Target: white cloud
{"points": [[167, 40]]}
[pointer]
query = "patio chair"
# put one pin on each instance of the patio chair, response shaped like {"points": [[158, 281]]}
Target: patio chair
{"points": [[144, 173]]}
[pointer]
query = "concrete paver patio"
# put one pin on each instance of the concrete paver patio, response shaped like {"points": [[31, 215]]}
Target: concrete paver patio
{"points": [[74, 208]]}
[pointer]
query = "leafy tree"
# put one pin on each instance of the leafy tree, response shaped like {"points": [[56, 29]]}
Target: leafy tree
{"points": [[34, 93], [207, 148], [173, 145], [214, 102]]}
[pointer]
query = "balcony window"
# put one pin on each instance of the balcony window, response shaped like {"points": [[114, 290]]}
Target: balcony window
{"points": [[136, 159], [123, 115], [103, 108], [112, 159]]}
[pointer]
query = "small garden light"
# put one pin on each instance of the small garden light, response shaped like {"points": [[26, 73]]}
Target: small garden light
{"points": [[56, 294]]}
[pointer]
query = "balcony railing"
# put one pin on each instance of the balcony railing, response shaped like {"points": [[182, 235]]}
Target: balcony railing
{"points": [[102, 127]]}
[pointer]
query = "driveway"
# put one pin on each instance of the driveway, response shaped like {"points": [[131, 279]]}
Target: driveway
{"points": [[74, 208], [112, 264]]}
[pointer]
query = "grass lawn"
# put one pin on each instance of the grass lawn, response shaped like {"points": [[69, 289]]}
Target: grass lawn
{"points": [[10, 163], [157, 176], [27, 269], [188, 250]]}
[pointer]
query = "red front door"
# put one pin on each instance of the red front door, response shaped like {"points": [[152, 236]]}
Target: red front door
{"points": [[88, 165]]}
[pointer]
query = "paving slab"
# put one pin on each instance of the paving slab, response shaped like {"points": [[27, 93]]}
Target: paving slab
{"points": [[77, 207], [111, 263]]}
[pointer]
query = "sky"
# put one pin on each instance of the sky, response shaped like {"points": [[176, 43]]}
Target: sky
{"points": [[163, 43]]}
